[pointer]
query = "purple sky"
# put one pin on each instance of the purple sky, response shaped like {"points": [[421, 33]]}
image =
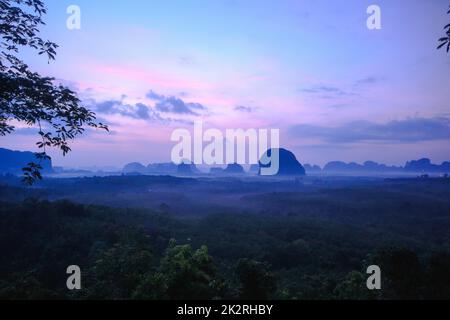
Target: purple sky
{"points": [[335, 89]]}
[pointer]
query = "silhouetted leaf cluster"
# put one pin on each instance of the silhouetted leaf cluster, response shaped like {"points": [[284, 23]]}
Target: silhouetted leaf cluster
{"points": [[28, 97], [446, 39]]}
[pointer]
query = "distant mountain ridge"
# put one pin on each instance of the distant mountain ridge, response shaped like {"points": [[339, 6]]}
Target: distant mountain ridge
{"points": [[153, 168], [137, 168], [368, 166], [186, 168], [234, 168], [425, 165], [289, 165], [12, 162], [415, 166]]}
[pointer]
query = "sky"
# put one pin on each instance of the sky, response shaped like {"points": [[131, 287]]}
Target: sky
{"points": [[310, 68]]}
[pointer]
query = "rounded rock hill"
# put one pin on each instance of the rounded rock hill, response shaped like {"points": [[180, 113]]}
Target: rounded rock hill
{"points": [[289, 165]]}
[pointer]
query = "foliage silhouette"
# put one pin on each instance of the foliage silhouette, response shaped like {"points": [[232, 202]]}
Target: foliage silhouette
{"points": [[446, 39], [28, 97]]}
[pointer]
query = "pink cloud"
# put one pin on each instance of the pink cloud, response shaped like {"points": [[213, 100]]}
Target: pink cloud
{"points": [[151, 78]]}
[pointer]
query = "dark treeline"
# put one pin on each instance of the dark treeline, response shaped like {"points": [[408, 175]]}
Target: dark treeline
{"points": [[152, 254]]}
